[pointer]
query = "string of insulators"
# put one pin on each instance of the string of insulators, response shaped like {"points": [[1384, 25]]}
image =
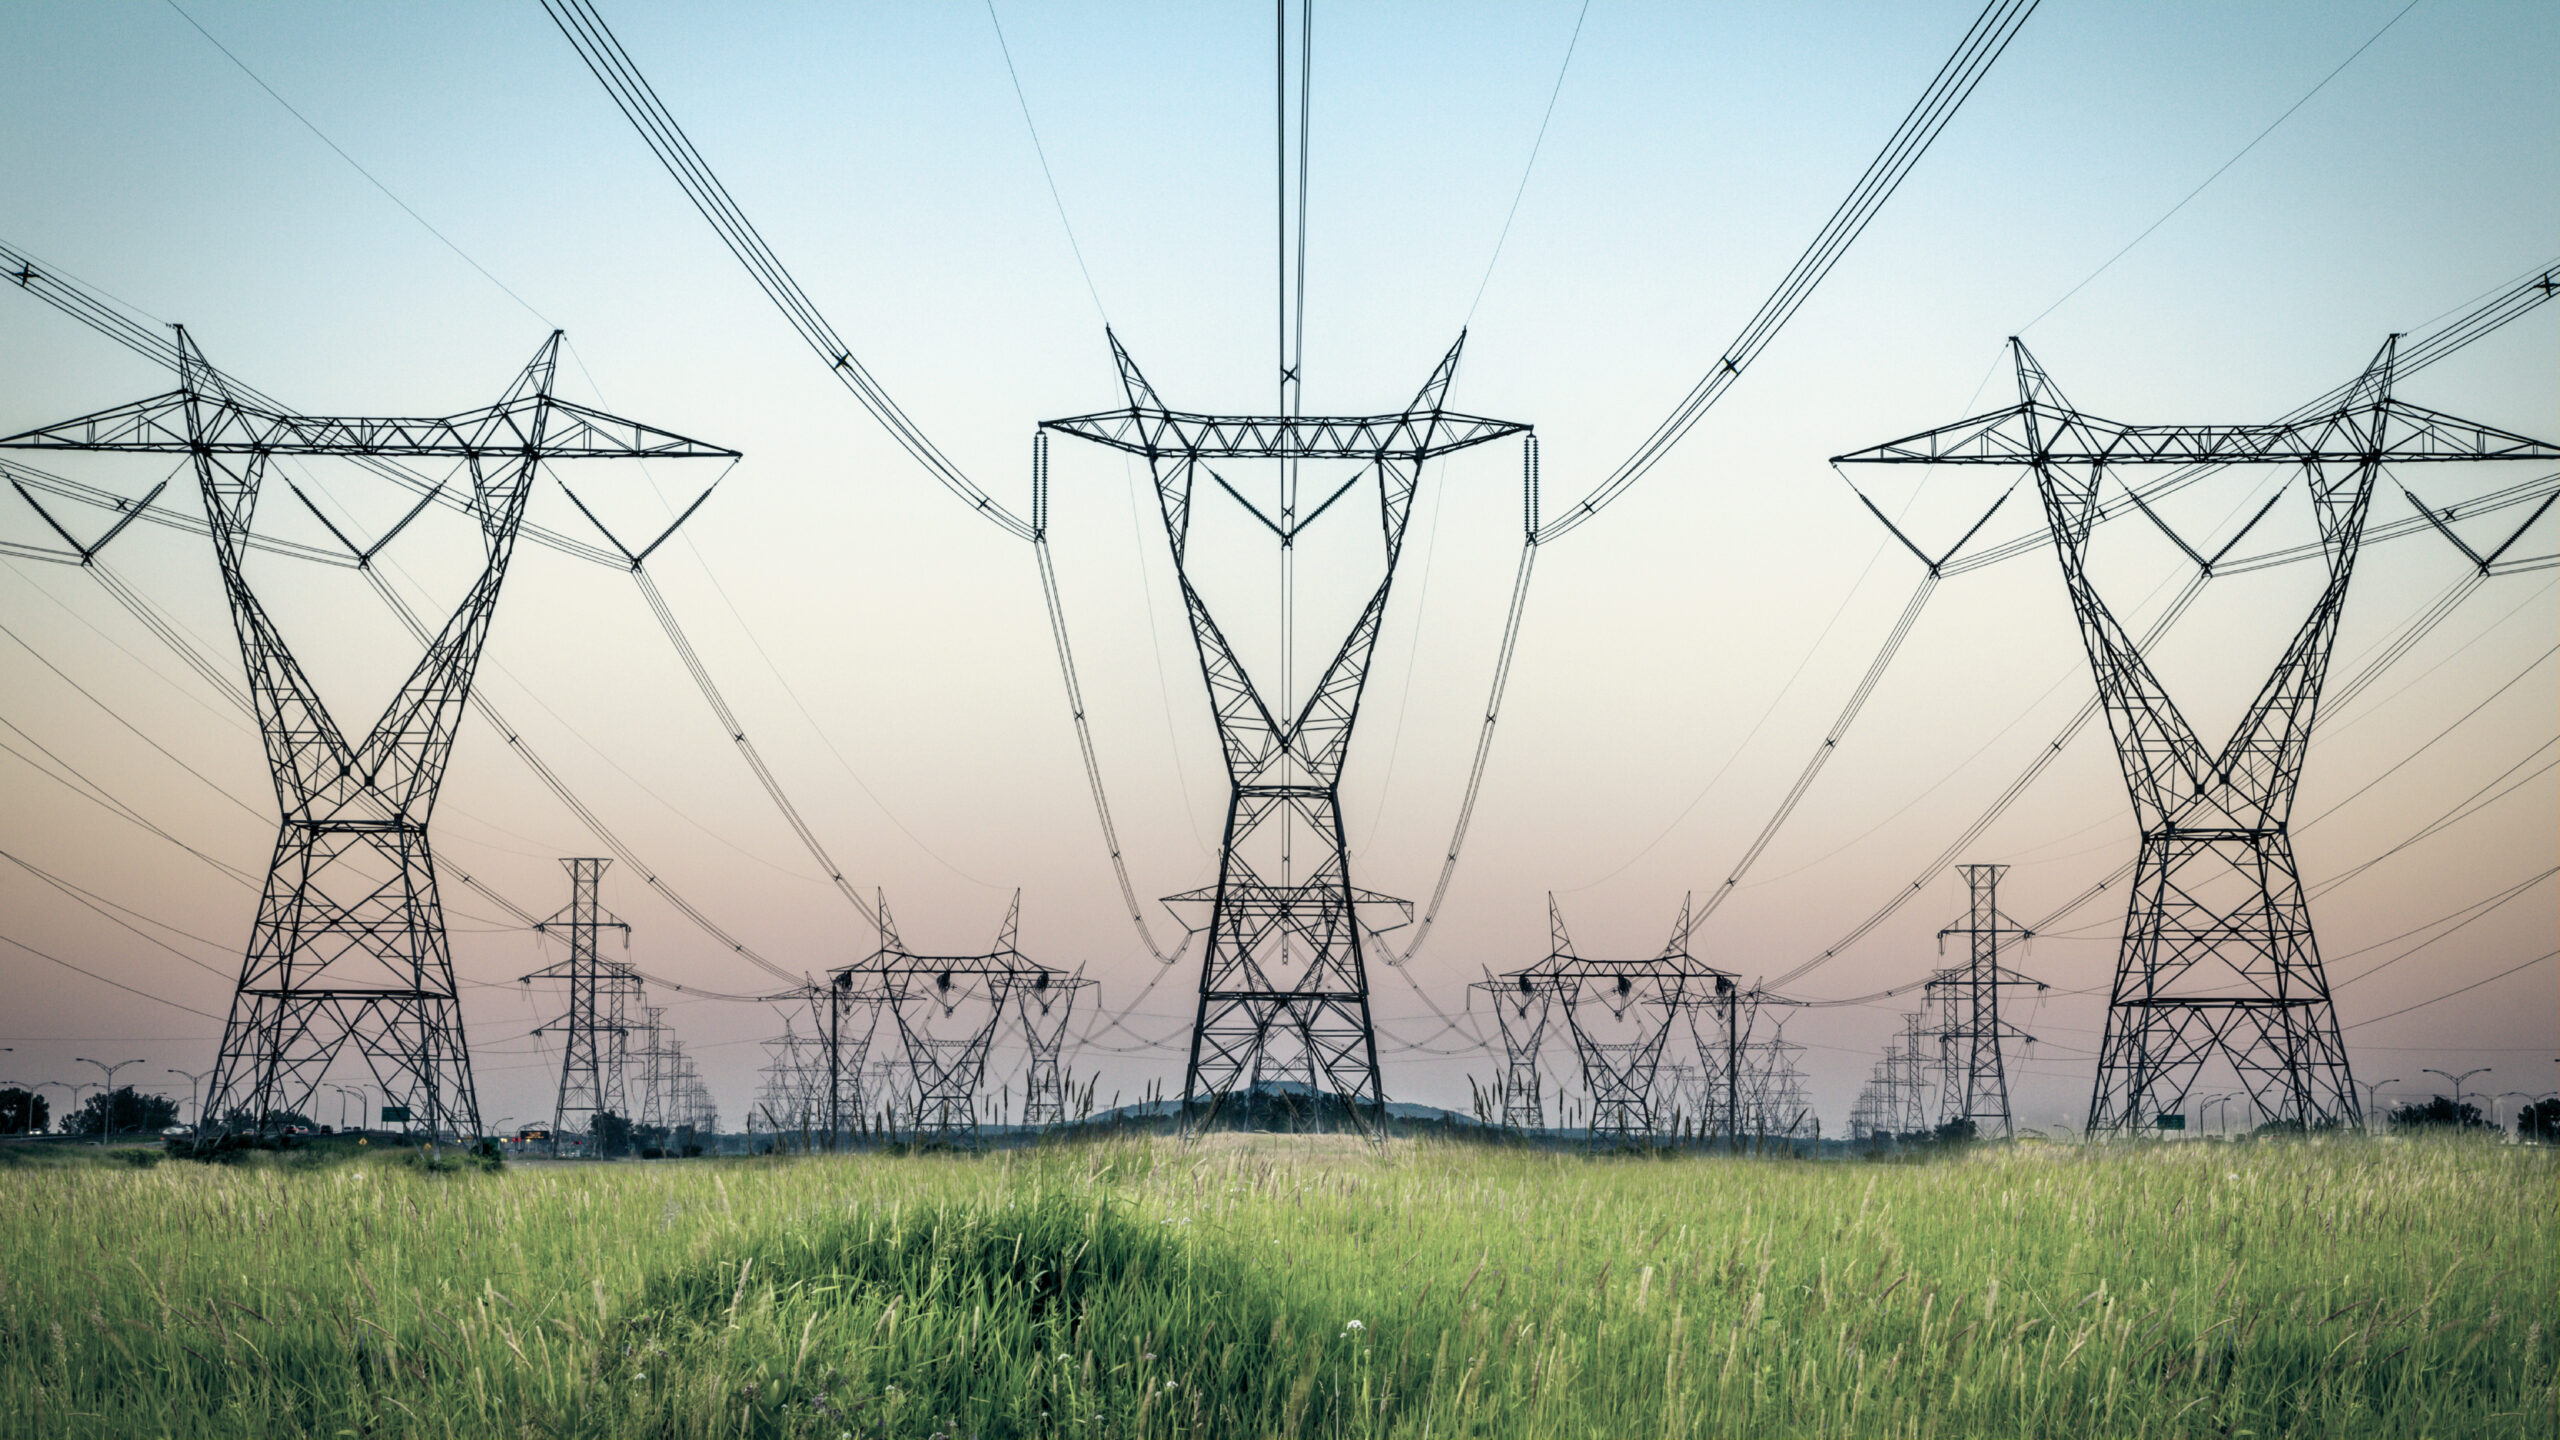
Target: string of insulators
{"points": [[1529, 485], [1039, 484]]}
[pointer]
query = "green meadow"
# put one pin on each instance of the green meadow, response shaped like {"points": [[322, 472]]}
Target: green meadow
{"points": [[1292, 1286]]}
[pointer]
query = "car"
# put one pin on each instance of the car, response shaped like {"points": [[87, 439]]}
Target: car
{"points": [[178, 1131]]}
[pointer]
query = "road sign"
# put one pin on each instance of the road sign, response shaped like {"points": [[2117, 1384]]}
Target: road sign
{"points": [[392, 1114], [2173, 1122]]}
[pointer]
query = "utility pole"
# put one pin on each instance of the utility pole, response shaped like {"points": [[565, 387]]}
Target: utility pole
{"points": [[348, 949], [107, 1115], [2372, 1097], [2218, 958]]}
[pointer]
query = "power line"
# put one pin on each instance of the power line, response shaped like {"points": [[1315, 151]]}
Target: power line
{"points": [[2465, 990], [1956, 79]]}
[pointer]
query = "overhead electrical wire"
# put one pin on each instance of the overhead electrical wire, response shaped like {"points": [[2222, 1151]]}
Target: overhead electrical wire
{"points": [[1956, 79], [602, 53]]}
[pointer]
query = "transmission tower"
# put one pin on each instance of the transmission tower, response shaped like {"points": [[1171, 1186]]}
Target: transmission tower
{"points": [[591, 1077], [1046, 1004], [1974, 1034], [2218, 956], [925, 994], [1284, 983], [1621, 1014], [349, 941], [1520, 1011]]}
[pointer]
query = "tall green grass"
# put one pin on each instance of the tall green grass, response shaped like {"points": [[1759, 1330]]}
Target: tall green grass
{"points": [[1294, 1287]]}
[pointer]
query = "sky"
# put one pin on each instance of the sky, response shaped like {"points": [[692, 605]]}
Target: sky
{"points": [[1681, 657]]}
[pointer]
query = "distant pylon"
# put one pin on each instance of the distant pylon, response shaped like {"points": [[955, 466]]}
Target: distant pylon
{"points": [[591, 1050], [1977, 1072], [1520, 1011], [2218, 957], [349, 942], [1046, 1004], [1284, 980]]}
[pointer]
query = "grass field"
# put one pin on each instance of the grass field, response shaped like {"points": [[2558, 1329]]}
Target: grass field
{"points": [[1299, 1286]]}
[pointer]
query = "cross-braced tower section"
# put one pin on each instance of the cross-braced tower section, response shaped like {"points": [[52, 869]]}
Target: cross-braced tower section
{"points": [[2218, 958], [348, 946], [947, 1010], [1521, 1008], [1284, 986], [592, 1044], [1621, 1015], [1974, 1036]]}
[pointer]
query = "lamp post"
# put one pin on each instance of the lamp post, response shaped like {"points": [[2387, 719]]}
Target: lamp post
{"points": [[2373, 1097], [2457, 1081], [107, 1114], [195, 1101], [2497, 1111]]}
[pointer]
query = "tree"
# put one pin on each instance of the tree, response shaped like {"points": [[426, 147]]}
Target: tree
{"points": [[610, 1132], [122, 1112], [2440, 1113], [2538, 1125], [23, 1112]]}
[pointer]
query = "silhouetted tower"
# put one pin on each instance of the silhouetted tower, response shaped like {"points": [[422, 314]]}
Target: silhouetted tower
{"points": [[946, 1061], [591, 1079], [1977, 1073], [349, 941], [2218, 956], [1284, 983], [1621, 1015], [1046, 1004], [1520, 1011]]}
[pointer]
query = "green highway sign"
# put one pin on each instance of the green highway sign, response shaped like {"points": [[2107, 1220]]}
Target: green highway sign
{"points": [[2173, 1122], [392, 1114]]}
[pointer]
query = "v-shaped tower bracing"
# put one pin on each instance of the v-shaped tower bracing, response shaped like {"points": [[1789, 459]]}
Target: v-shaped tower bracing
{"points": [[2218, 958], [348, 947], [1284, 986]]}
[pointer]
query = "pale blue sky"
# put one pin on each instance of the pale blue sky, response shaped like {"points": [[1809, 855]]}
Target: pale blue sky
{"points": [[1693, 152]]}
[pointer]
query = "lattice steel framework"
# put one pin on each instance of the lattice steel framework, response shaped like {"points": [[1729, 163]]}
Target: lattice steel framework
{"points": [[2218, 956], [349, 941], [1973, 1037], [947, 1069], [592, 1032], [1521, 1009], [1046, 1004], [1284, 900], [1644, 1002]]}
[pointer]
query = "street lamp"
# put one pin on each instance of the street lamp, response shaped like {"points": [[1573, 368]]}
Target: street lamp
{"points": [[2372, 1097], [2457, 1081], [107, 1115], [2497, 1111], [195, 1078]]}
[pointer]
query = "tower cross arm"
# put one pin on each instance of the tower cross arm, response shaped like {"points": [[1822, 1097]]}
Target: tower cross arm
{"points": [[533, 424], [2043, 433], [1410, 436]]}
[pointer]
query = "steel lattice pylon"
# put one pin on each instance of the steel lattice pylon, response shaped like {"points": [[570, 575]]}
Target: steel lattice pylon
{"points": [[1972, 1034], [947, 1069], [1646, 999], [592, 1032], [1284, 898], [349, 941], [1521, 1009], [1046, 1004], [2218, 956]]}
